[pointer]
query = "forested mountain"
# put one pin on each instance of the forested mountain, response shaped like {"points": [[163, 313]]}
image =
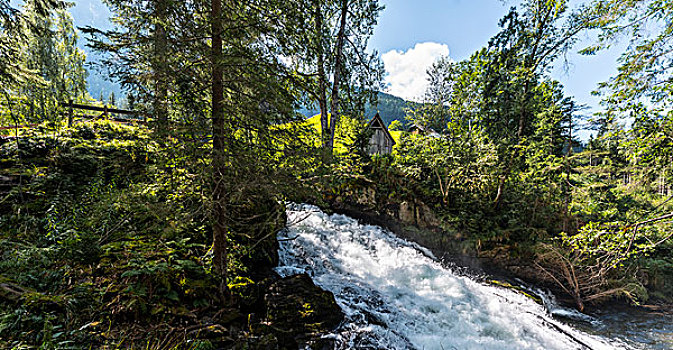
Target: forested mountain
{"points": [[389, 107], [94, 13]]}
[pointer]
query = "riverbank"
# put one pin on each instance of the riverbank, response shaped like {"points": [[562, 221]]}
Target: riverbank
{"points": [[645, 326], [396, 295], [415, 221], [104, 246]]}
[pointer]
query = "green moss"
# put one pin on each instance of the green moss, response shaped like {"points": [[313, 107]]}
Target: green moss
{"points": [[517, 289], [306, 311]]}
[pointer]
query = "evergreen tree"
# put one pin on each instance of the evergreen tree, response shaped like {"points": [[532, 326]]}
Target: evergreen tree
{"points": [[57, 60], [15, 27], [131, 101], [50, 67], [329, 53], [236, 97], [504, 90], [70, 82], [138, 54], [642, 88]]}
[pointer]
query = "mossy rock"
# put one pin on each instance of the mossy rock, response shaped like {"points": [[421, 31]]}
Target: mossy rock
{"points": [[300, 311]]}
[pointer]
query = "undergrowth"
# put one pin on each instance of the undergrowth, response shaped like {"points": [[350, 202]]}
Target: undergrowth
{"points": [[99, 250]]}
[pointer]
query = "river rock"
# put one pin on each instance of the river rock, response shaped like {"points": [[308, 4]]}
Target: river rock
{"points": [[425, 217], [417, 213], [367, 197], [407, 213], [299, 311]]}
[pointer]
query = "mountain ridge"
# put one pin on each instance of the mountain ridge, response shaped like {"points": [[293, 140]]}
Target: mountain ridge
{"points": [[389, 107]]}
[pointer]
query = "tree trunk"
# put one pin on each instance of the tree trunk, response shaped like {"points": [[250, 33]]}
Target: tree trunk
{"points": [[522, 115], [219, 159], [160, 68], [662, 181], [568, 190], [338, 62], [498, 195], [322, 77], [668, 185], [519, 139]]}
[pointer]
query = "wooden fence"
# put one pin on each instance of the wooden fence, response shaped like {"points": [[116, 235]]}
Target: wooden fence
{"points": [[106, 111]]}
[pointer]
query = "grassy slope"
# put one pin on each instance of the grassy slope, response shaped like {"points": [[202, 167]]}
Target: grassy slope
{"points": [[314, 121]]}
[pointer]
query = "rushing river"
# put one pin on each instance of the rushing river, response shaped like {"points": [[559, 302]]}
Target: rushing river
{"points": [[396, 295]]}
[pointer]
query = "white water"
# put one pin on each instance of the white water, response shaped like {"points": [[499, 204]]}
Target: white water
{"points": [[396, 296]]}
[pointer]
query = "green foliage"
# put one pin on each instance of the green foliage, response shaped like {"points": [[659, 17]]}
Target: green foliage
{"points": [[110, 233], [642, 77], [617, 242], [395, 125], [497, 162], [15, 27], [504, 170], [50, 60], [328, 54], [97, 246]]}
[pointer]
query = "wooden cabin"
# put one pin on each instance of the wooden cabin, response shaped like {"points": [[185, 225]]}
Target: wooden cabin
{"points": [[381, 141], [418, 129]]}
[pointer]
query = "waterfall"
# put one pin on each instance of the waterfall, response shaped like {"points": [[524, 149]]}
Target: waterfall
{"points": [[396, 295]]}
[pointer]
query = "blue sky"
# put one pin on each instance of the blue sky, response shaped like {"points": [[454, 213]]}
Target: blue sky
{"points": [[412, 34], [90, 13], [464, 25]]}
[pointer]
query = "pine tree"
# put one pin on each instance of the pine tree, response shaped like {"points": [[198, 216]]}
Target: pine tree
{"points": [[70, 81], [332, 49], [227, 84], [15, 27], [52, 63], [138, 54], [131, 101]]}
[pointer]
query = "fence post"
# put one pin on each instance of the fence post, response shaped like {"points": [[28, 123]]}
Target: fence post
{"points": [[70, 114], [105, 112]]}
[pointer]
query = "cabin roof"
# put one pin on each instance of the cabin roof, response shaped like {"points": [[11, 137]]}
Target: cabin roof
{"points": [[421, 127], [377, 122], [424, 129]]}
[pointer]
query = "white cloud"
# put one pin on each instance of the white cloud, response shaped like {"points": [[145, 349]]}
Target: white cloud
{"points": [[407, 77]]}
